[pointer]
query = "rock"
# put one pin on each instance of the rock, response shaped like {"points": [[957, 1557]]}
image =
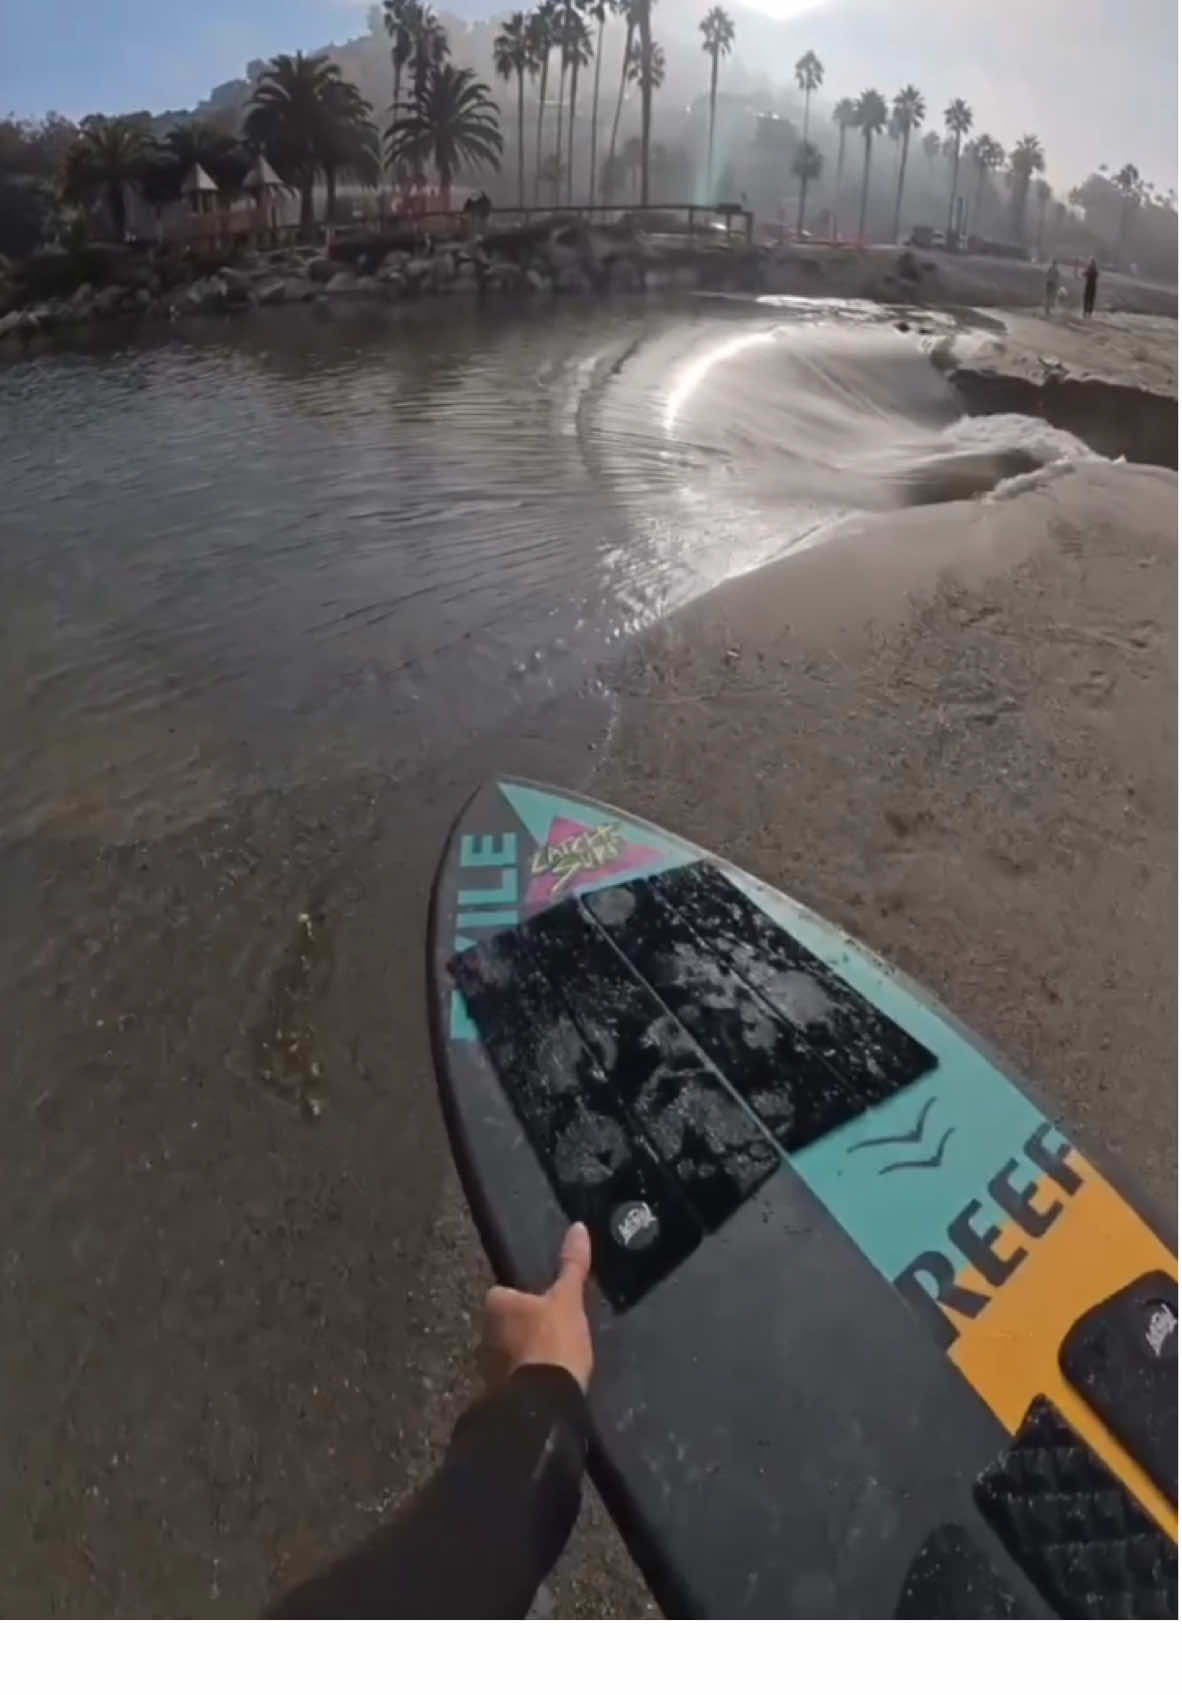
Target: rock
{"points": [[444, 267], [504, 277], [392, 283], [419, 274], [466, 283], [272, 293], [572, 279], [625, 277], [207, 294], [10, 322], [143, 298], [82, 295], [342, 282], [108, 300], [537, 281], [237, 284], [321, 270]]}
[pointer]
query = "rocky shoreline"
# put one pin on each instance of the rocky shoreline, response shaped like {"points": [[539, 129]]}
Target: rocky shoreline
{"points": [[60, 292]]}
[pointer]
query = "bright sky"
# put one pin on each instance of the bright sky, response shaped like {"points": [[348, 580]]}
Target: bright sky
{"points": [[1097, 79]]}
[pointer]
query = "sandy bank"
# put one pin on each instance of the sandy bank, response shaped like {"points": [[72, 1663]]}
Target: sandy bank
{"points": [[954, 733], [1112, 381]]}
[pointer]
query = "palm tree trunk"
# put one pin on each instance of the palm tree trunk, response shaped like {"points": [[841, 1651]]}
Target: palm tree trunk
{"points": [[570, 136], [899, 189], [804, 188], [330, 195], [397, 163], [808, 94], [976, 219], [558, 130], [307, 182], [541, 115], [117, 207], [611, 152], [595, 108], [710, 132], [646, 96], [840, 169], [521, 135], [865, 190], [955, 175]]}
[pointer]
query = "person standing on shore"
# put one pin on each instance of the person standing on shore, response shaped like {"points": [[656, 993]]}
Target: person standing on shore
{"points": [[1091, 278]]}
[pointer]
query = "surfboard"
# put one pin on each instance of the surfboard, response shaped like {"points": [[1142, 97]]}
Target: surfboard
{"points": [[873, 1336]]}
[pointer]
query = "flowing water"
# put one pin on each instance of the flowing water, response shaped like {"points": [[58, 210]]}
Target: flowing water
{"points": [[263, 551]]}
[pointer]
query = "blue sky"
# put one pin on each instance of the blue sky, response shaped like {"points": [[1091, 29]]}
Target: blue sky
{"points": [[79, 56]]}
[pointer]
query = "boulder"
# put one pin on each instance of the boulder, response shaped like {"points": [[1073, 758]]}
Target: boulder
{"points": [[536, 281], [109, 300], [392, 283], [272, 293], [573, 279], [237, 284], [143, 298], [504, 278], [342, 282], [207, 294], [467, 282], [14, 323], [419, 275], [82, 295], [625, 277], [321, 270], [444, 267]]}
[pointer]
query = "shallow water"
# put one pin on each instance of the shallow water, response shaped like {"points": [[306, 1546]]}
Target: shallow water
{"points": [[263, 551]]}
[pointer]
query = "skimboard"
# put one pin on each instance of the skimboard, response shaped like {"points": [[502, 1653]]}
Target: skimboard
{"points": [[873, 1336]]}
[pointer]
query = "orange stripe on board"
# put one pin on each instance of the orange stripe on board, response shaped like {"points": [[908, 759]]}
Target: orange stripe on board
{"points": [[1010, 1351]]}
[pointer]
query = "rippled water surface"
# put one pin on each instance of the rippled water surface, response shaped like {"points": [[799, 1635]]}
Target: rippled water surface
{"points": [[293, 545]]}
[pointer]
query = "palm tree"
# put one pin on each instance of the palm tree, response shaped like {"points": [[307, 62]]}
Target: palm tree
{"points": [[988, 156], [349, 143], [294, 114], [542, 36], [218, 152], [107, 156], [648, 79], [576, 54], [807, 166], [810, 74], [1128, 181], [399, 17], [630, 11], [908, 112], [1042, 190], [512, 56], [599, 10], [845, 116], [718, 37], [958, 121], [872, 117], [1025, 159], [632, 159], [452, 122]]}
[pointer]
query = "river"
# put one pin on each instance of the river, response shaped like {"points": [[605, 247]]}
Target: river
{"points": [[260, 551]]}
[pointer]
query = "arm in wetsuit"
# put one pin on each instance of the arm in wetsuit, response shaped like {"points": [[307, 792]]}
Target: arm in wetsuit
{"points": [[481, 1535]]}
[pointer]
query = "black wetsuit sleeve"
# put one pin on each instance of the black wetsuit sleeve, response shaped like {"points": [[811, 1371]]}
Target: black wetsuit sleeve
{"points": [[480, 1536]]}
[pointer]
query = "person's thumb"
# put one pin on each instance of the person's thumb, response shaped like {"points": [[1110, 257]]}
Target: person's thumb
{"points": [[574, 1259]]}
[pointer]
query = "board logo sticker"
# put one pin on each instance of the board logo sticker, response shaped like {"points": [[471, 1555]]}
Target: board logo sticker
{"points": [[575, 855], [635, 1225]]}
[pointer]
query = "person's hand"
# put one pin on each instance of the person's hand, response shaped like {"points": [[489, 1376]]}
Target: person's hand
{"points": [[549, 1329]]}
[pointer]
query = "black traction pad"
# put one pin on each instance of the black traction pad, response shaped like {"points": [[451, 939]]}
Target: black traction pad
{"points": [[951, 1578], [649, 1075], [1122, 1357], [1089, 1548]]}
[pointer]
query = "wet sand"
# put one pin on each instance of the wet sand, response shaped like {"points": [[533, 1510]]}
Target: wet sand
{"points": [[240, 1289]]}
